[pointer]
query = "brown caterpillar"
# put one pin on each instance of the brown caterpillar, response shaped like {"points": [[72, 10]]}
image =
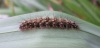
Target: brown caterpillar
{"points": [[48, 23]]}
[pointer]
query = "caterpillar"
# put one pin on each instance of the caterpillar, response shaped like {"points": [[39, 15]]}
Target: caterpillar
{"points": [[48, 22]]}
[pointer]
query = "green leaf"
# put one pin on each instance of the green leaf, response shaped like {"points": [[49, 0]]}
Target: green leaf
{"points": [[75, 7], [29, 5], [84, 10], [9, 11], [89, 10], [12, 37]]}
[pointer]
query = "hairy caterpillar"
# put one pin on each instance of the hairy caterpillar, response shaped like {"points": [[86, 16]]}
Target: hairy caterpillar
{"points": [[48, 22]]}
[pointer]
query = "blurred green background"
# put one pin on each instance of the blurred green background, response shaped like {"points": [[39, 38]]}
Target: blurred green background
{"points": [[88, 10]]}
